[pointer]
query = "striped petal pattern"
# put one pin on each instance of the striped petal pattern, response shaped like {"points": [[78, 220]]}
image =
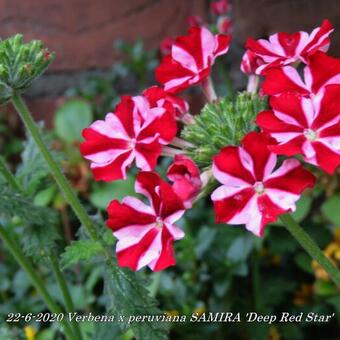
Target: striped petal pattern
{"points": [[284, 48], [307, 126], [252, 192], [146, 233], [191, 59], [134, 132]]}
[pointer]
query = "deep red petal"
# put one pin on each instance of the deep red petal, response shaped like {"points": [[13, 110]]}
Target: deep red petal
{"points": [[122, 215], [326, 158], [228, 160], [129, 257], [167, 256], [227, 208], [294, 181], [291, 148], [112, 171]]}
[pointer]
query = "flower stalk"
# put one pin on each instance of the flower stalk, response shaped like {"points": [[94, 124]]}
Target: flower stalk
{"points": [[310, 247], [62, 182], [36, 280], [208, 90]]}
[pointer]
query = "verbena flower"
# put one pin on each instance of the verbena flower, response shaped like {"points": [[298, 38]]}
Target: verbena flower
{"points": [[165, 46], [191, 59], [219, 7], [224, 25], [307, 126], [146, 233], [185, 175], [320, 71], [134, 132], [253, 193], [284, 48], [157, 97], [250, 62]]}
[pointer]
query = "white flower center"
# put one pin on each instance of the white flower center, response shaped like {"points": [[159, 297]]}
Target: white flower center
{"points": [[259, 188], [310, 134], [133, 142], [159, 223]]}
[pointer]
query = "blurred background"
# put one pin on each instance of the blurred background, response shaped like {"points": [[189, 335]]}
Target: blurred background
{"points": [[106, 48]]}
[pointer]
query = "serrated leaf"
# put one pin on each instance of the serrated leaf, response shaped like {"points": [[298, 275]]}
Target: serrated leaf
{"points": [[128, 296], [81, 250], [16, 204], [33, 169], [71, 118]]}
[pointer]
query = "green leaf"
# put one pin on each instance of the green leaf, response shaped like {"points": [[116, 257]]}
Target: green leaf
{"points": [[331, 209], [303, 206], [81, 250], [33, 169], [16, 204], [303, 261], [71, 118], [240, 248], [104, 193], [127, 296], [44, 197]]}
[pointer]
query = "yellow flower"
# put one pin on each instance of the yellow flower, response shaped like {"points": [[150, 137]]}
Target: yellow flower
{"points": [[30, 333], [332, 251], [303, 294], [172, 312], [273, 334]]}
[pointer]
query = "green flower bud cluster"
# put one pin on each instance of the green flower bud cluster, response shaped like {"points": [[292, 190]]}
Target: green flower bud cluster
{"points": [[224, 122], [20, 65]]}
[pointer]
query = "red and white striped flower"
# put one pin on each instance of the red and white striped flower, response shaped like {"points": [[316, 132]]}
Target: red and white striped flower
{"points": [[135, 131], [165, 46], [320, 71], [253, 193], [224, 25], [157, 97], [219, 7], [250, 62], [146, 233], [191, 59], [307, 126], [284, 48], [185, 175]]}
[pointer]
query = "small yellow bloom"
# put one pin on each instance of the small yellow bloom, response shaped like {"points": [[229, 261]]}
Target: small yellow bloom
{"points": [[303, 294], [172, 312], [273, 334], [30, 333], [332, 251]]}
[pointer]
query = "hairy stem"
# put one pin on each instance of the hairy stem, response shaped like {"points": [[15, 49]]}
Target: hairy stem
{"points": [[9, 177], [62, 182], [69, 306], [310, 247], [36, 280]]}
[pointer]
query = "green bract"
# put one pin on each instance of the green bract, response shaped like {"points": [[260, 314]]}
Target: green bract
{"points": [[222, 123], [20, 65]]}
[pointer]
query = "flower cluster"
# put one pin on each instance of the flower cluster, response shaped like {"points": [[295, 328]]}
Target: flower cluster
{"points": [[255, 187]]}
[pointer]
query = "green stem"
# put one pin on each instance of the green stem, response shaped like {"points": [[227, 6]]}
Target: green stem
{"points": [[65, 292], [9, 177], [62, 182], [311, 248], [36, 280]]}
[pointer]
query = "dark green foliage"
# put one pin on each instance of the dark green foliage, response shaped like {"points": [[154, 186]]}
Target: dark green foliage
{"points": [[220, 124], [20, 65], [128, 296], [17, 204]]}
